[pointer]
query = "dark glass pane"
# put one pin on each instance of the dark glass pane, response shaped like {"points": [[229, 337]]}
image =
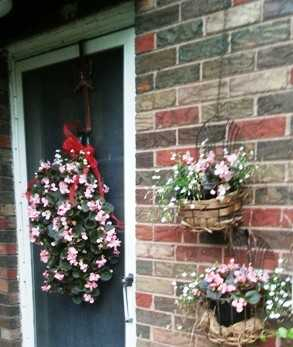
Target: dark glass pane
{"points": [[49, 101]]}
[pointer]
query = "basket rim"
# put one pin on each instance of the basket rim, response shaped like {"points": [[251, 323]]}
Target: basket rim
{"points": [[228, 199]]}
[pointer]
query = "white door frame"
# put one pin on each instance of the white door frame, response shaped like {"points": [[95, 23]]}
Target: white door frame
{"points": [[124, 38]]}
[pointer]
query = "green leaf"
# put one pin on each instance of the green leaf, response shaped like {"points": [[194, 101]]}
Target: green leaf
{"points": [[213, 295], [53, 234], [65, 266], [263, 338], [290, 334], [282, 333], [77, 300], [75, 274], [253, 297], [106, 275], [76, 290]]}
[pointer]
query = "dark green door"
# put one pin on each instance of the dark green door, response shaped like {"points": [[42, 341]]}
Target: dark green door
{"points": [[49, 102]]}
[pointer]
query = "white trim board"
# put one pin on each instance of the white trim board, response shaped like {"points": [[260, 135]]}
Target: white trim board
{"points": [[123, 39]]}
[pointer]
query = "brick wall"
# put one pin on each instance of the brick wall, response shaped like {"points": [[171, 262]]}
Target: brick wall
{"points": [[178, 46], [9, 310]]}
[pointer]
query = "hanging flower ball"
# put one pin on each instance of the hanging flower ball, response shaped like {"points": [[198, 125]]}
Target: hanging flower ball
{"points": [[73, 224]]}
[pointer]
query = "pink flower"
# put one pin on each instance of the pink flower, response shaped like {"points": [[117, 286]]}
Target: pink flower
{"points": [[240, 277], [88, 298], [71, 167], [44, 256], [46, 274], [187, 158], [106, 189], [56, 223], [222, 170], [113, 241], [33, 214], [44, 165], [35, 233], [100, 263], [46, 181], [63, 208], [45, 202], [94, 205], [91, 285], [67, 235], [46, 287], [82, 179], [211, 157], [202, 165], [231, 158], [35, 199], [59, 276], [84, 236], [63, 187], [239, 304], [94, 277], [72, 255], [62, 168], [68, 180], [102, 217], [83, 267]]}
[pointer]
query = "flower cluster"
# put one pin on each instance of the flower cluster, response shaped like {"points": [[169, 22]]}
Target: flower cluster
{"points": [[72, 224], [210, 176], [237, 284], [278, 295]]}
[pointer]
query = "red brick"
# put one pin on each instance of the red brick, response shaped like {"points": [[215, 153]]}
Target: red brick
{"points": [[261, 129], [182, 116], [240, 2], [4, 286], [7, 249], [167, 233], [4, 223], [144, 300], [4, 141], [145, 43], [287, 218], [144, 232], [144, 5], [199, 254], [9, 274], [259, 217], [167, 336], [261, 257], [163, 157], [190, 236]]}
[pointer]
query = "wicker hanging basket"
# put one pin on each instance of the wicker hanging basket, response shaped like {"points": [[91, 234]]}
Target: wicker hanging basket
{"points": [[239, 334], [213, 214]]}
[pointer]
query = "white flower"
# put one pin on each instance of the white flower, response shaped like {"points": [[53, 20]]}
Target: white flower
{"points": [[287, 303]]}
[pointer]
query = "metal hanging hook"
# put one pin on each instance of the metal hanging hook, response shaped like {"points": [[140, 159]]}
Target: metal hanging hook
{"points": [[84, 86]]}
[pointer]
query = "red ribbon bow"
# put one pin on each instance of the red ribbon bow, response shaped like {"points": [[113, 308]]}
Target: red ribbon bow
{"points": [[73, 146]]}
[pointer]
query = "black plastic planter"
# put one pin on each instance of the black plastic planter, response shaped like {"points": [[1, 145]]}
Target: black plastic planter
{"points": [[227, 315]]}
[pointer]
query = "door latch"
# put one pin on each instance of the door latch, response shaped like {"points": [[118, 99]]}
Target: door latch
{"points": [[127, 283]]}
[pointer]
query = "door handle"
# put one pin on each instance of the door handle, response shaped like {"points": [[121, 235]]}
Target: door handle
{"points": [[127, 283]]}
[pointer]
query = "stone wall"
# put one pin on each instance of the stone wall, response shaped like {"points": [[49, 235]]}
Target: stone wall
{"points": [[9, 310], [181, 47]]}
